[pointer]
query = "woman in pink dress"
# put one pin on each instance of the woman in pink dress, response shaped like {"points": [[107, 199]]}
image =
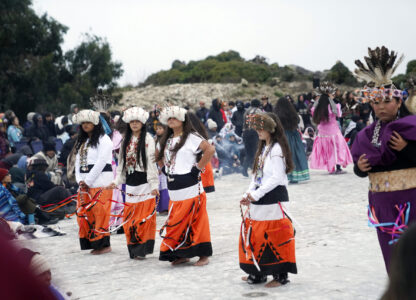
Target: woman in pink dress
{"points": [[330, 150]]}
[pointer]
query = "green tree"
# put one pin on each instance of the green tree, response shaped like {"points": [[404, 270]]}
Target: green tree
{"points": [[340, 74], [35, 75]]}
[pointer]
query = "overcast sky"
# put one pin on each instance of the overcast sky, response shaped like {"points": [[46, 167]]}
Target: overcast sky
{"points": [[146, 36]]}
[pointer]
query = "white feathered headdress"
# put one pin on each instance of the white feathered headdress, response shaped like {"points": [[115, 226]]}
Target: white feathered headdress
{"points": [[172, 112], [326, 87], [101, 102], [135, 113], [87, 115], [381, 65]]}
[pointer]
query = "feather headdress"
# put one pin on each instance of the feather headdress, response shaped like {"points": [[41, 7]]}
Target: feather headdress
{"points": [[326, 87], [101, 102], [381, 64]]}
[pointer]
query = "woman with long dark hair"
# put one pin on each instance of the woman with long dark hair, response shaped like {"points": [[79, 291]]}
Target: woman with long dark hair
{"points": [[385, 152], [137, 169], [330, 150], [289, 119], [267, 239], [163, 205], [182, 154], [93, 173], [207, 176]]}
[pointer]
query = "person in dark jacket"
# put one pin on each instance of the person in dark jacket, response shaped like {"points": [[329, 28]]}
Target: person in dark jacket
{"points": [[42, 189], [238, 118], [38, 131], [49, 122], [202, 112], [266, 105], [67, 147], [250, 136], [215, 114]]}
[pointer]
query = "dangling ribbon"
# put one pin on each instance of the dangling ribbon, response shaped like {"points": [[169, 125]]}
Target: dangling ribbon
{"points": [[107, 128]]}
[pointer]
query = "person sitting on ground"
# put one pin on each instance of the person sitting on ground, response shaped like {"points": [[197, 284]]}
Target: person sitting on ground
{"points": [[44, 191], [49, 155], [26, 204], [212, 128], [4, 143], [9, 209], [14, 131]]}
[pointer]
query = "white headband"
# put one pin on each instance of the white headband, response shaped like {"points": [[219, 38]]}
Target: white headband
{"points": [[87, 115], [172, 112], [135, 113]]}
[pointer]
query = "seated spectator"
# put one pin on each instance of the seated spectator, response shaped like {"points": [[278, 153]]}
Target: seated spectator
{"points": [[62, 125], [38, 130], [212, 128], [26, 204], [4, 143], [9, 209], [68, 145], [43, 190], [48, 120], [14, 131], [27, 153], [228, 128], [308, 140], [49, 155]]}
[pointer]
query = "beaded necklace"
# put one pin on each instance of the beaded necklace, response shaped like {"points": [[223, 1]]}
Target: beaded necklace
{"points": [[131, 154], [260, 165], [170, 157], [83, 156], [376, 135]]}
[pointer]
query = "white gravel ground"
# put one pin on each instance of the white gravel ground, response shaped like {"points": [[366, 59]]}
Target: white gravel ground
{"points": [[338, 255]]}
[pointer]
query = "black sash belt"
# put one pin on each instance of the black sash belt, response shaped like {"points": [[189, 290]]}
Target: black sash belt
{"points": [[136, 178], [278, 194], [107, 168], [181, 181]]}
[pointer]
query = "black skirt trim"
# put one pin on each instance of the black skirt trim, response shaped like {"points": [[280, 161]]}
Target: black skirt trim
{"points": [[278, 194], [96, 245], [270, 269], [136, 178], [141, 250], [107, 168], [209, 189], [182, 181], [203, 249]]}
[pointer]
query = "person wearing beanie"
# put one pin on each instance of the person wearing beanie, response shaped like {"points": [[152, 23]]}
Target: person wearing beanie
{"points": [[49, 155], [212, 128], [93, 172], [182, 155], [136, 169]]}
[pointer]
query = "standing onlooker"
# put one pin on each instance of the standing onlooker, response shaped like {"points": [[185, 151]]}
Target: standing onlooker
{"points": [[202, 112], [14, 131], [302, 109], [267, 107], [250, 137], [238, 118], [216, 113], [289, 118]]}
